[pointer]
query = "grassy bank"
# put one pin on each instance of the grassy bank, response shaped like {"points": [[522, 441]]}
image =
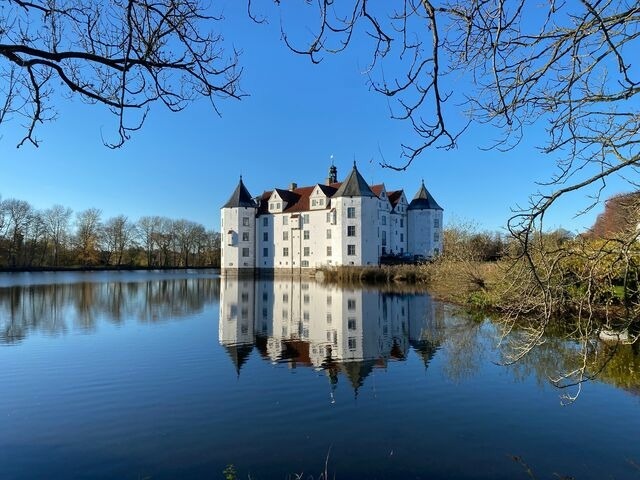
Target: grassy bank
{"points": [[463, 283]]}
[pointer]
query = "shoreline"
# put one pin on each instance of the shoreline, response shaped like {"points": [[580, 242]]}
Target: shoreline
{"points": [[127, 268]]}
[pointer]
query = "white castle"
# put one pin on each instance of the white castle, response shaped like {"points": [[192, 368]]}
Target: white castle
{"points": [[329, 224]]}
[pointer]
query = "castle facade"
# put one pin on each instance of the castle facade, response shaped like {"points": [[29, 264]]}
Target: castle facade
{"points": [[327, 224]]}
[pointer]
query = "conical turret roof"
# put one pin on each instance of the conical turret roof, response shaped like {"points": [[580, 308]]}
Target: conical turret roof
{"points": [[240, 197], [239, 354], [424, 200], [354, 186]]}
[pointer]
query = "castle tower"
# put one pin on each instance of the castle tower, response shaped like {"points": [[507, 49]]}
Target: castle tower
{"points": [[236, 328], [238, 227], [424, 224], [356, 209], [333, 175]]}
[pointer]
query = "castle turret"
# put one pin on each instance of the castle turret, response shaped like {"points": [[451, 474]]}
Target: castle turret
{"points": [[356, 207], [238, 222], [424, 224]]}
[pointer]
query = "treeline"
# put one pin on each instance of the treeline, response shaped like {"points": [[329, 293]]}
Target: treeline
{"points": [[58, 238]]}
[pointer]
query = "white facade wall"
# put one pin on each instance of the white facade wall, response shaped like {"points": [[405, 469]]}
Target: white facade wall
{"points": [[363, 248], [238, 237], [425, 232], [237, 312], [287, 231]]}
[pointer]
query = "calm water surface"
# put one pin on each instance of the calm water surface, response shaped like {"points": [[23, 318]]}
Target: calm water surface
{"points": [[177, 375]]}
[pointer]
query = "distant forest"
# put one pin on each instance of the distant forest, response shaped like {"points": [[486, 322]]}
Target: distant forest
{"points": [[58, 238]]}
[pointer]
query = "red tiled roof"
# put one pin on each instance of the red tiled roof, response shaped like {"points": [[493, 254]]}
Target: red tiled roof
{"points": [[377, 189], [298, 199]]}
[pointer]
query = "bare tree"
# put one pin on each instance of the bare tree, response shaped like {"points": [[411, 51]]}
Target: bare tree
{"points": [[148, 229], [17, 214], [123, 54], [118, 234], [56, 220], [88, 230]]}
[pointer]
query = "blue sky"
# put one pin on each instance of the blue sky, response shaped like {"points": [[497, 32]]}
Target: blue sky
{"points": [[297, 116]]}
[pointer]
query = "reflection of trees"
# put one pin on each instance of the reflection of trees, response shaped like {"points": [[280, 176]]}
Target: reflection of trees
{"points": [[615, 364], [464, 347], [56, 308]]}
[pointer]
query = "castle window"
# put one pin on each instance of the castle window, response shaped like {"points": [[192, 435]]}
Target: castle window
{"points": [[329, 251], [351, 323], [321, 201], [351, 231], [402, 237], [306, 251], [351, 249], [285, 220], [384, 237], [305, 263], [351, 304], [402, 222], [351, 212], [285, 252], [245, 252], [265, 236], [352, 343], [306, 234], [384, 219], [285, 235], [244, 297], [329, 320], [265, 222], [245, 221], [278, 205], [306, 299], [245, 236], [436, 236], [328, 300], [436, 223], [328, 217], [285, 297], [265, 252], [328, 234], [313, 203], [305, 218]]}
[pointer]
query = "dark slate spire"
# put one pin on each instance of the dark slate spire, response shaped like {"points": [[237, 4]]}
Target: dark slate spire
{"points": [[354, 186], [239, 354], [240, 197], [424, 200]]}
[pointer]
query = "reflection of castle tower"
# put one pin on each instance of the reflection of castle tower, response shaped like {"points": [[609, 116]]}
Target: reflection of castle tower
{"points": [[237, 316], [303, 323]]}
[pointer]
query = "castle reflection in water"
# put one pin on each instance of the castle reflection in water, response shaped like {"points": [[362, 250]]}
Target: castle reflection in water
{"points": [[304, 323]]}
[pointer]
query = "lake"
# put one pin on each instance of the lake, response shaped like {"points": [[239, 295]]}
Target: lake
{"points": [[154, 375]]}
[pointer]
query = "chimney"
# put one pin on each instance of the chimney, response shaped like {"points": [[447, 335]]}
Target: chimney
{"points": [[293, 186]]}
